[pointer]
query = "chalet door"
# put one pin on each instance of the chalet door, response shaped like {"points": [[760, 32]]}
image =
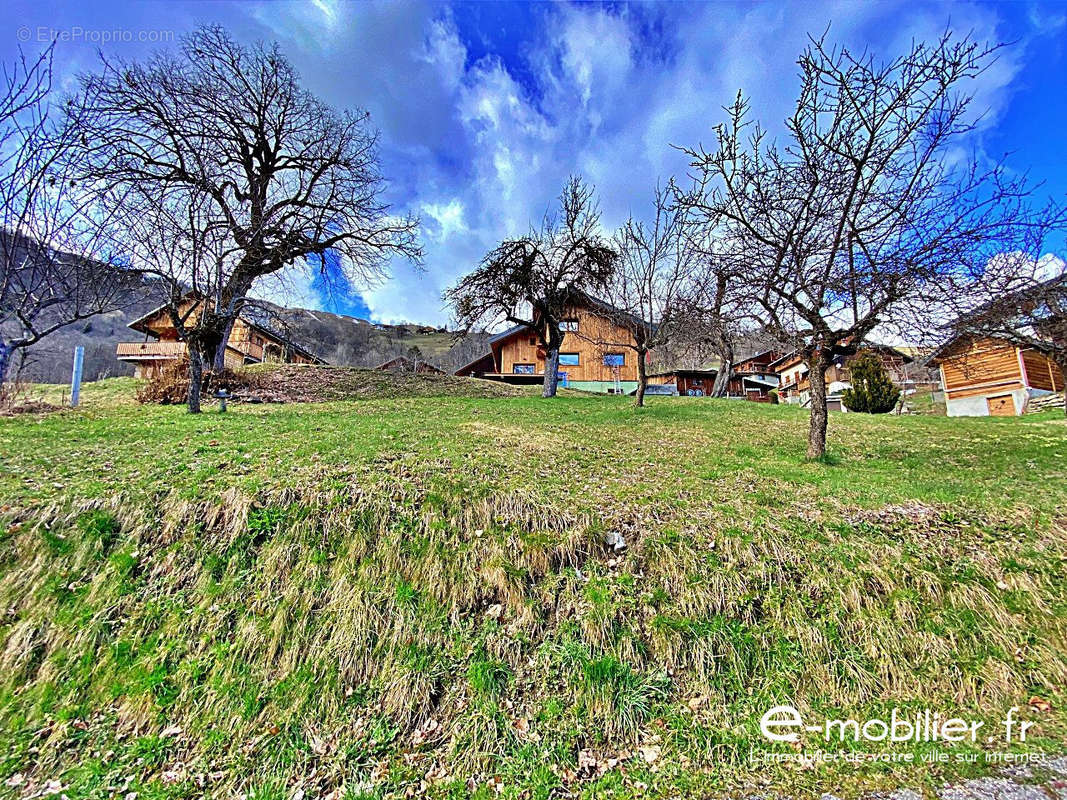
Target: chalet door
{"points": [[1003, 406]]}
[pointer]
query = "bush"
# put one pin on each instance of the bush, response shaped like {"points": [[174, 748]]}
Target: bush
{"points": [[171, 385], [872, 392]]}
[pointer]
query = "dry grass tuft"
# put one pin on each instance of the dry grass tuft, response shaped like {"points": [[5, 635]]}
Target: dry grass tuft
{"points": [[460, 628]]}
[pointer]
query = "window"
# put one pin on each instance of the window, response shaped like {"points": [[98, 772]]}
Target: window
{"points": [[614, 359], [697, 381], [533, 341], [568, 359], [522, 369], [568, 325]]}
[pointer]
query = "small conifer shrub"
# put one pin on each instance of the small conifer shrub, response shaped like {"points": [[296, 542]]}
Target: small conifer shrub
{"points": [[872, 391]]}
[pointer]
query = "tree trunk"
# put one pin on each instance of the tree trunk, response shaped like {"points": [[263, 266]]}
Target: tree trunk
{"points": [[551, 373], [218, 361], [725, 351], [721, 386], [817, 363], [642, 378], [196, 378]]}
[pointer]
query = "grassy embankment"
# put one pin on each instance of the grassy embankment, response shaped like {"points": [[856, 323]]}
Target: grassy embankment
{"points": [[396, 596]]}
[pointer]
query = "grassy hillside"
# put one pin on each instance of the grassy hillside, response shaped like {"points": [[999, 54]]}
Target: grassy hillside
{"points": [[398, 597]]}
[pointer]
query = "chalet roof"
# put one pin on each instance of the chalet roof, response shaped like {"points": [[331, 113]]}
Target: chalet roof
{"points": [[471, 364], [259, 318], [849, 350], [754, 356], [507, 334], [597, 303], [687, 373], [967, 325], [760, 381], [1021, 296], [582, 300], [940, 353], [787, 357]]}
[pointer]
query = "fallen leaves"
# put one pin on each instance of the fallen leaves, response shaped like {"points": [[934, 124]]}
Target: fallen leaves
{"points": [[650, 753], [428, 731], [1039, 704]]}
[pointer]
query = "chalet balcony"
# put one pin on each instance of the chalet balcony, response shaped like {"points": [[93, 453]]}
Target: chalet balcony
{"points": [[149, 351]]}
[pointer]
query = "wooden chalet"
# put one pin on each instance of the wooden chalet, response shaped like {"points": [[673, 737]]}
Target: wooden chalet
{"points": [[252, 341], [585, 362], [986, 376], [750, 379], [794, 386], [405, 364]]}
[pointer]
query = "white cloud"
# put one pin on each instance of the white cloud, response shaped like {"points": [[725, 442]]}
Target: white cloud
{"points": [[291, 287], [448, 218], [479, 148]]}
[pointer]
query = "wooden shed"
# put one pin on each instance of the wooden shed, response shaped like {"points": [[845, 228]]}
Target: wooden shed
{"points": [[986, 376]]}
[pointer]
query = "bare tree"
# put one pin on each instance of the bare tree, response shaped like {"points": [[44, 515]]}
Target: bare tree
{"points": [[720, 311], [175, 238], [534, 280], [867, 205], [52, 268], [279, 176], [650, 293]]}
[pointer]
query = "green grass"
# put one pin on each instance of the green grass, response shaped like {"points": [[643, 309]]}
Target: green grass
{"points": [[370, 596]]}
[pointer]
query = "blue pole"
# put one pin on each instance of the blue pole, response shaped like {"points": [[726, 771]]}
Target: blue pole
{"points": [[76, 376]]}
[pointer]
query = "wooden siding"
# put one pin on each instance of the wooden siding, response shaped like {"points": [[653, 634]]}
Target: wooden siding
{"points": [[984, 389], [982, 366], [593, 328], [1042, 372], [150, 350]]}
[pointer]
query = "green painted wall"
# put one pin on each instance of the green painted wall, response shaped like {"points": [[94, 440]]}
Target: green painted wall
{"points": [[602, 386]]}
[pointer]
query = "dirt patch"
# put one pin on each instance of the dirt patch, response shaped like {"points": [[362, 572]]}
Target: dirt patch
{"points": [[28, 407]]}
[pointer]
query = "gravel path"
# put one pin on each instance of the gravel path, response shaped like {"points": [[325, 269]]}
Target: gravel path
{"points": [[1047, 782]]}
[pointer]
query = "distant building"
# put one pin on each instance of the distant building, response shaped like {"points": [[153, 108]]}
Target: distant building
{"points": [[750, 379], [987, 376], [794, 386], [586, 361], [252, 341]]}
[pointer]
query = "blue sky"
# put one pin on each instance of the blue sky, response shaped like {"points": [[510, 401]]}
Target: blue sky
{"points": [[484, 108]]}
